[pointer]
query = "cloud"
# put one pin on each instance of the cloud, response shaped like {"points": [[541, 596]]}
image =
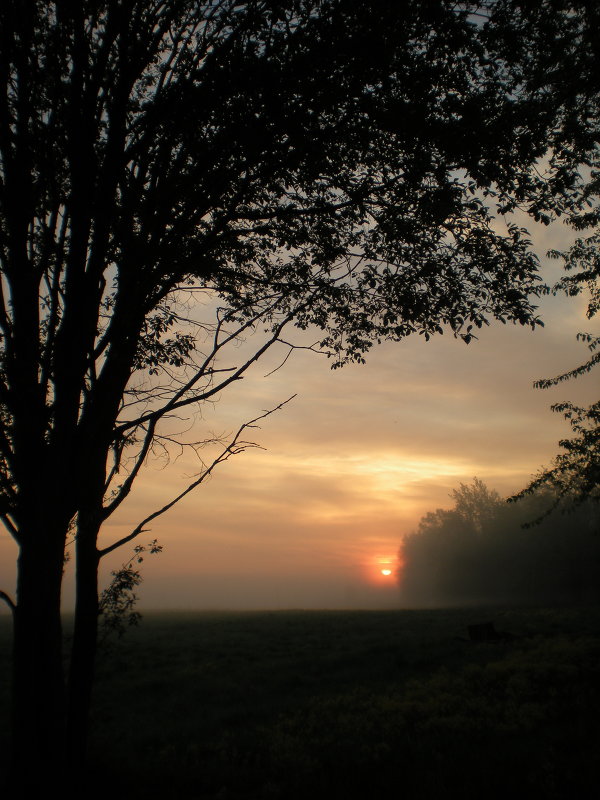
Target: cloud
{"points": [[352, 463]]}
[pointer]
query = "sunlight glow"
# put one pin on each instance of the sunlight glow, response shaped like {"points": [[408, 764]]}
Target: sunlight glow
{"points": [[380, 570], [384, 471]]}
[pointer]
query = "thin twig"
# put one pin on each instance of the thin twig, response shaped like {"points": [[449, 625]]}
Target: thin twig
{"points": [[234, 447]]}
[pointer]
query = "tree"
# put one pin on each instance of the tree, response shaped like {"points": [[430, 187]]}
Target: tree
{"points": [[478, 553], [177, 175], [440, 559], [475, 504], [575, 474]]}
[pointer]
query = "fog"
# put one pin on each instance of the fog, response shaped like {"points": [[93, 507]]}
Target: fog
{"points": [[349, 467], [478, 552]]}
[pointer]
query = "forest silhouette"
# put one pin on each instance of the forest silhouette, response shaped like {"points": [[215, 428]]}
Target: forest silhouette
{"points": [[484, 550]]}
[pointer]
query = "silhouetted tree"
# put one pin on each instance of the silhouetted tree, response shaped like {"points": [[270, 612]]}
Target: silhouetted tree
{"points": [[575, 474], [116, 603], [486, 556], [475, 504], [322, 163]]}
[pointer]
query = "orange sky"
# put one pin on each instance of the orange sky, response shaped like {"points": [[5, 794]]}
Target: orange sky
{"points": [[351, 465]]}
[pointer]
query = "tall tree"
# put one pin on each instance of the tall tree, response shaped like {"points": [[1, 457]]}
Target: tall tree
{"points": [[475, 504], [326, 163]]}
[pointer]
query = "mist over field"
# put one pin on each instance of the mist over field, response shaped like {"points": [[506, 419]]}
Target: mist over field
{"points": [[484, 551], [349, 468]]}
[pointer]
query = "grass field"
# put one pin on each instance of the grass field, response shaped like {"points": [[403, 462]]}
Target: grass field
{"points": [[349, 705]]}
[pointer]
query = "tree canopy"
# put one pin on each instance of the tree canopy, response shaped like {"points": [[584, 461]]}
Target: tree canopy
{"points": [[327, 164]]}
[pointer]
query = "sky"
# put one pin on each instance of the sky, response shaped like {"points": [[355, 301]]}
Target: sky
{"points": [[350, 465]]}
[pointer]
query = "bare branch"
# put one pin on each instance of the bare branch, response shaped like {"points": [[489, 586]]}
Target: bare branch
{"points": [[314, 348], [179, 401], [9, 601], [128, 483], [235, 446], [10, 526]]}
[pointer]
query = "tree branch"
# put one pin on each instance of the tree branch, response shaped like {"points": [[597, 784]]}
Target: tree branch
{"points": [[179, 401], [128, 483], [234, 447], [9, 601]]}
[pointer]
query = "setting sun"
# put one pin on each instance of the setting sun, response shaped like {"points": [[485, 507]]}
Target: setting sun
{"points": [[381, 569]]}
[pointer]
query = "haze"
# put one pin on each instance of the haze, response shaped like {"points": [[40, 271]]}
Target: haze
{"points": [[350, 465]]}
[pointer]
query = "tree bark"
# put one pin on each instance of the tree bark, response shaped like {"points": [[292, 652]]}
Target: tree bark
{"points": [[83, 652], [38, 712]]}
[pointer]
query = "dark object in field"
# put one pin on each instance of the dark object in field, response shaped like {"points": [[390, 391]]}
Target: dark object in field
{"points": [[486, 632]]}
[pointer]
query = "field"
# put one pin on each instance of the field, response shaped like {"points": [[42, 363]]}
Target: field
{"points": [[348, 705]]}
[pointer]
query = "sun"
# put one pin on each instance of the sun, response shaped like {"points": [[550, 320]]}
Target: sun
{"points": [[381, 570]]}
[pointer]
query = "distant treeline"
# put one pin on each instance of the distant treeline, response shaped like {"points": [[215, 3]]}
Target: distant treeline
{"points": [[479, 552]]}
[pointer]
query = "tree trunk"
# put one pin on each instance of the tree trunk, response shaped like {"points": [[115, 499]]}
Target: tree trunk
{"points": [[83, 653], [38, 713]]}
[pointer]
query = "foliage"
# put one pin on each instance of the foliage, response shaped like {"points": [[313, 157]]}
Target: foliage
{"points": [[179, 176], [450, 560], [475, 504], [117, 601], [574, 475]]}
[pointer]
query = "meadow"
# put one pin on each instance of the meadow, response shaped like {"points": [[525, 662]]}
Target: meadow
{"points": [[346, 704]]}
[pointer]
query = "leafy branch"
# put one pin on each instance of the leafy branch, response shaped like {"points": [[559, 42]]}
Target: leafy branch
{"points": [[575, 473], [117, 601]]}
